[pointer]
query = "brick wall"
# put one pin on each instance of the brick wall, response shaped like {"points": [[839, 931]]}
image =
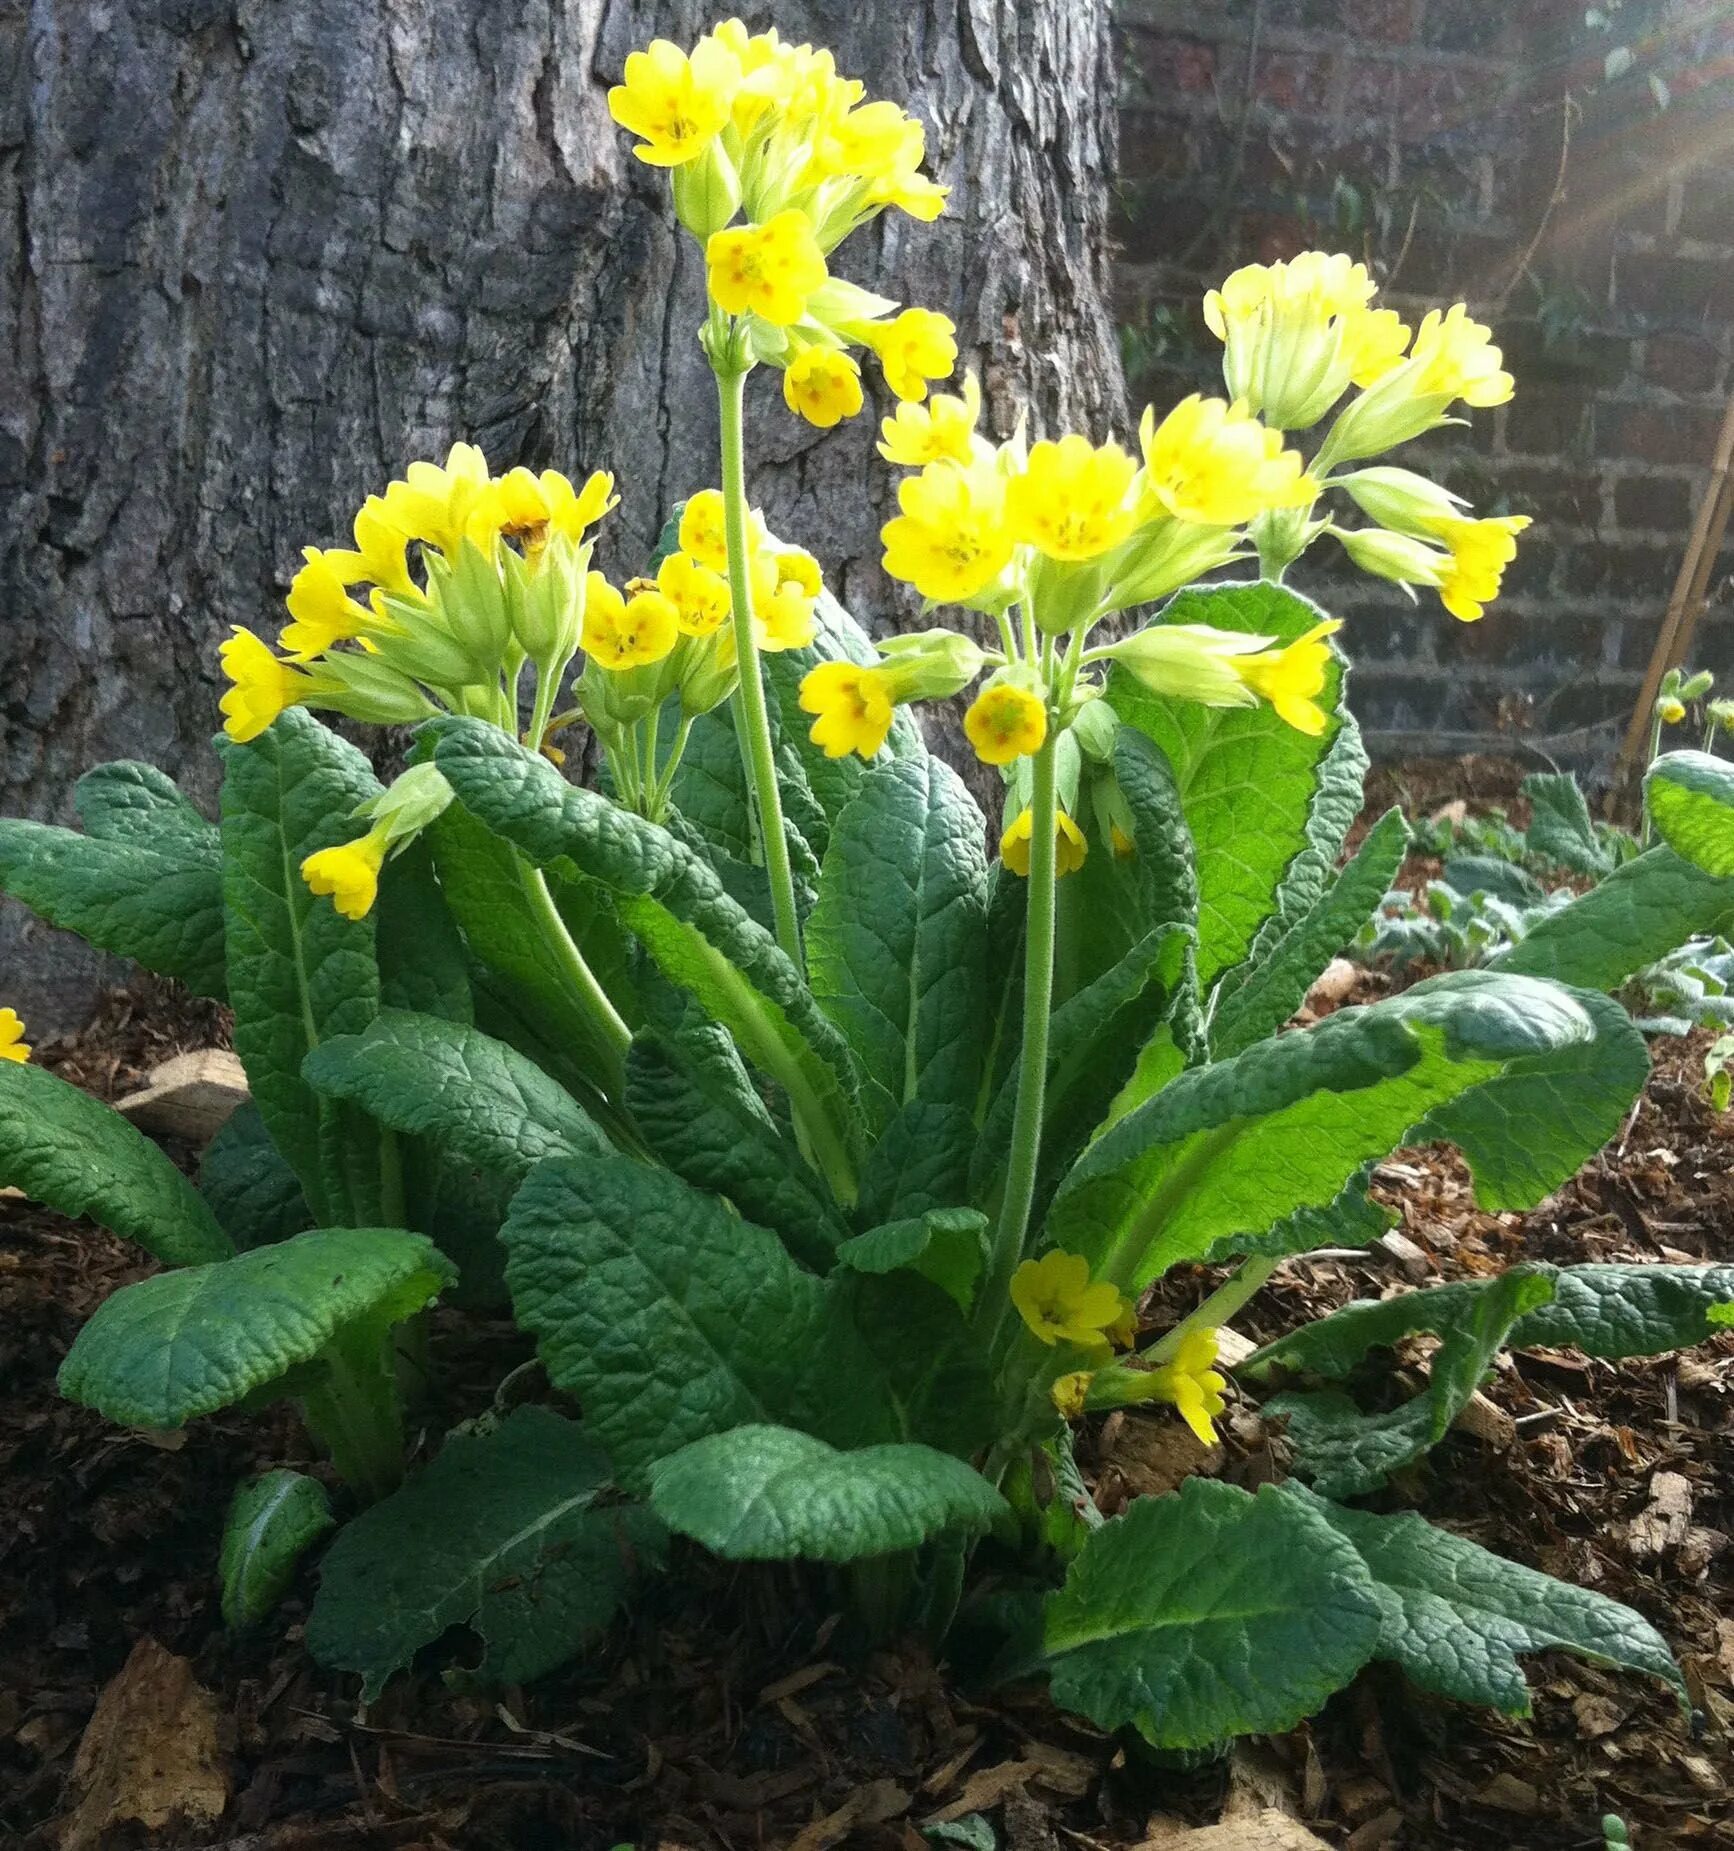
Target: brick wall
{"points": [[1575, 183]]}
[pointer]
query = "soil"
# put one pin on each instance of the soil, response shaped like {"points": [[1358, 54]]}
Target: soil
{"points": [[728, 1710]]}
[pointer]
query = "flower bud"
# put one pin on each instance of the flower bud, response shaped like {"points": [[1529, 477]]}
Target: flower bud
{"points": [[1400, 499], [929, 665], [1096, 726], [545, 600], [368, 688], [1395, 556], [1166, 555], [707, 191], [1190, 662], [407, 806], [472, 601]]}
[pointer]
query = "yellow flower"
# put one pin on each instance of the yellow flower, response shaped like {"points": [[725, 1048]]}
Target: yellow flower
{"points": [[699, 595], [13, 1046], [322, 611], [703, 533], [1289, 678], [264, 685], [913, 348], [1480, 552], [678, 104], [1069, 499], [822, 385], [440, 504], [1006, 722], [1215, 464], [1374, 342], [349, 873], [952, 538], [786, 586], [1191, 1383], [942, 430], [1069, 1392], [870, 139], [378, 558], [622, 632], [1295, 334], [1070, 848], [529, 508], [1055, 1298], [767, 270], [1670, 709], [1455, 356], [853, 706]]}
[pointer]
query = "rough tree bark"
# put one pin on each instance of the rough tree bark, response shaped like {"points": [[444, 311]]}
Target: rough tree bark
{"points": [[259, 256]]}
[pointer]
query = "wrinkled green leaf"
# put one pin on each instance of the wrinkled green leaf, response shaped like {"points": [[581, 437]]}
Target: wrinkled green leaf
{"points": [[946, 1245], [1336, 804], [1209, 1614], [920, 1163], [181, 1344], [253, 1193], [1504, 880], [1691, 797], [762, 1493], [1455, 1616], [129, 801], [1619, 1311], [272, 1522], [507, 1533], [79, 1157], [1560, 826], [422, 961]]}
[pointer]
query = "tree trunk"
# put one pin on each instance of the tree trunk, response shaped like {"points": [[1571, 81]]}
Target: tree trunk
{"points": [[265, 255]]}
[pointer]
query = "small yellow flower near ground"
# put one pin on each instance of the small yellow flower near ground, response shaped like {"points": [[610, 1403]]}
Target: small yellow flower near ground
{"points": [[952, 538], [703, 532], [13, 1046], [1122, 844], [1480, 552], [1005, 722], [767, 270], [853, 705], [942, 430], [264, 685], [1056, 1299], [1670, 710], [1455, 356], [1289, 678], [1070, 848], [700, 595], [1069, 499], [822, 385], [913, 348], [321, 610], [1069, 1392], [349, 873], [621, 632], [1191, 1383], [1214, 464], [676, 103]]}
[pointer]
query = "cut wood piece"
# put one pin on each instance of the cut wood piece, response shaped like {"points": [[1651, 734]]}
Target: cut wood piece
{"points": [[191, 1096]]}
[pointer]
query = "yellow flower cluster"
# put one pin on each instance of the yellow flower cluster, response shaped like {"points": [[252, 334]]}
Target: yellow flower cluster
{"points": [[13, 1046], [752, 126]]}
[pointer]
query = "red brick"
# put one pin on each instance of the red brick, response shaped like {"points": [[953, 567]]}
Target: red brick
{"points": [[1661, 502], [1543, 422], [1631, 570], [1164, 64], [1661, 433], [1394, 21], [1675, 288], [1294, 82], [1553, 496], [1439, 99], [1368, 88], [1683, 362]]}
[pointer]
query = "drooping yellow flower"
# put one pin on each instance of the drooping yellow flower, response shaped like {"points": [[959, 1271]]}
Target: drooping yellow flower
{"points": [[1374, 342], [1191, 1383], [349, 873], [1005, 722], [1455, 356], [1295, 333], [1070, 848], [1291, 677], [942, 430], [703, 532], [1069, 1393], [867, 140], [853, 705], [1069, 499], [13, 1046], [952, 538], [264, 685], [786, 586], [322, 612], [912, 348], [1480, 552], [1214, 464], [676, 103], [767, 270], [530, 508], [440, 503], [822, 385], [622, 632], [1670, 710], [1055, 1297], [700, 596], [379, 555]]}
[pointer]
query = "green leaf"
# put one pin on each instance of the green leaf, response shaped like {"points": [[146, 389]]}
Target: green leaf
{"points": [[1209, 1614], [1277, 985], [272, 1522], [507, 1533], [422, 961], [1346, 1452], [1527, 1078], [1455, 1616], [1618, 1311], [79, 1157], [670, 1319], [921, 1163], [896, 946], [949, 1246], [672, 901], [475, 1097], [128, 801], [1561, 829], [761, 1493], [1640, 913], [1247, 780], [1691, 798], [299, 972], [702, 1119], [253, 1193], [181, 1344], [1336, 806], [1504, 880]]}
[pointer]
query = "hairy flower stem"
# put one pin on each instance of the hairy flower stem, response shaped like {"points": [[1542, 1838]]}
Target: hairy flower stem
{"points": [[356, 1413], [612, 1034], [752, 719], [1240, 1285]]}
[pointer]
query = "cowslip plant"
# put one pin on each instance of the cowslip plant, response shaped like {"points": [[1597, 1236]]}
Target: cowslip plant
{"points": [[823, 1137]]}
